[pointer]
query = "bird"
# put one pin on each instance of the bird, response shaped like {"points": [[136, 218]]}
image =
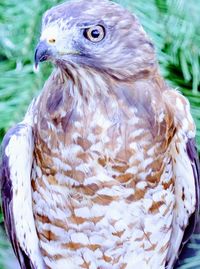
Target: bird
{"points": [[103, 170]]}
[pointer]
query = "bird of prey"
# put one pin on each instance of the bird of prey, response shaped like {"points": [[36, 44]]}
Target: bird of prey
{"points": [[102, 172]]}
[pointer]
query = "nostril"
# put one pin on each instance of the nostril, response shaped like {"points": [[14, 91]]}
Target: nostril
{"points": [[51, 40]]}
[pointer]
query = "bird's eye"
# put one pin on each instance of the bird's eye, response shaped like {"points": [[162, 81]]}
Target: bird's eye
{"points": [[95, 33]]}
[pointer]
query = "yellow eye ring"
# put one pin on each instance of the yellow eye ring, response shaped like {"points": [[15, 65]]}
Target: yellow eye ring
{"points": [[95, 33]]}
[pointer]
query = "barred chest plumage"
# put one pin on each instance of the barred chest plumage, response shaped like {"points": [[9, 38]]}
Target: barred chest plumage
{"points": [[102, 192]]}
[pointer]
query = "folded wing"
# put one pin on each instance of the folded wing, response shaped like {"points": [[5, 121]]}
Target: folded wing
{"points": [[186, 174], [16, 165]]}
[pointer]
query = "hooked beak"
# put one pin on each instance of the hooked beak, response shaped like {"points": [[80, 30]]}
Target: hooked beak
{"points": [[42, 53]]}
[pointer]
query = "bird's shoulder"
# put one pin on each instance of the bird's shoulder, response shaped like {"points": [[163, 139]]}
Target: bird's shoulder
{"points": [[179, 107]]}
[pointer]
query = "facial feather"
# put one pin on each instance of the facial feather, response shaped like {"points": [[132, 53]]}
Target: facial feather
{"points": [[124, 52]]}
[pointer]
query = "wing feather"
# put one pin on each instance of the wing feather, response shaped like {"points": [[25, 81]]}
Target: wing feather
{"points": [[186, 174], [16, 164], [186, 171], [194, 218], [193, 156]]}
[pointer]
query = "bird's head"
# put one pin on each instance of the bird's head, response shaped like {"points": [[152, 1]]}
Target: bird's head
{"points": [[95, 34]]}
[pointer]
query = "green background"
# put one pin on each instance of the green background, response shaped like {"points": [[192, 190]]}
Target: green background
{"points": [[174, 26]]}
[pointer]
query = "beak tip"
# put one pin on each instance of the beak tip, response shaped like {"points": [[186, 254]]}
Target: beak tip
{"points": [[42, 53], [36, 68], [36, 58]]}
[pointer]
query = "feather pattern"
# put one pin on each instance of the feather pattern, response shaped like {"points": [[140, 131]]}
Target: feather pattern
{"points": [[100, 164], [107, 166], [17, 151]]}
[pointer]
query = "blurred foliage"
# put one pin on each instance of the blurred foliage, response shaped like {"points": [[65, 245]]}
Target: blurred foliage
{"points": [[7, 259], [19, 32], [174, 27]]}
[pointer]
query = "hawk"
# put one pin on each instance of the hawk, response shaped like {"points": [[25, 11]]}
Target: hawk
{"points": [[102, 172]]}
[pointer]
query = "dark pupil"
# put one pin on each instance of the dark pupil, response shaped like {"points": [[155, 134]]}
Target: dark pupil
{"points": [[95, 33]]}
